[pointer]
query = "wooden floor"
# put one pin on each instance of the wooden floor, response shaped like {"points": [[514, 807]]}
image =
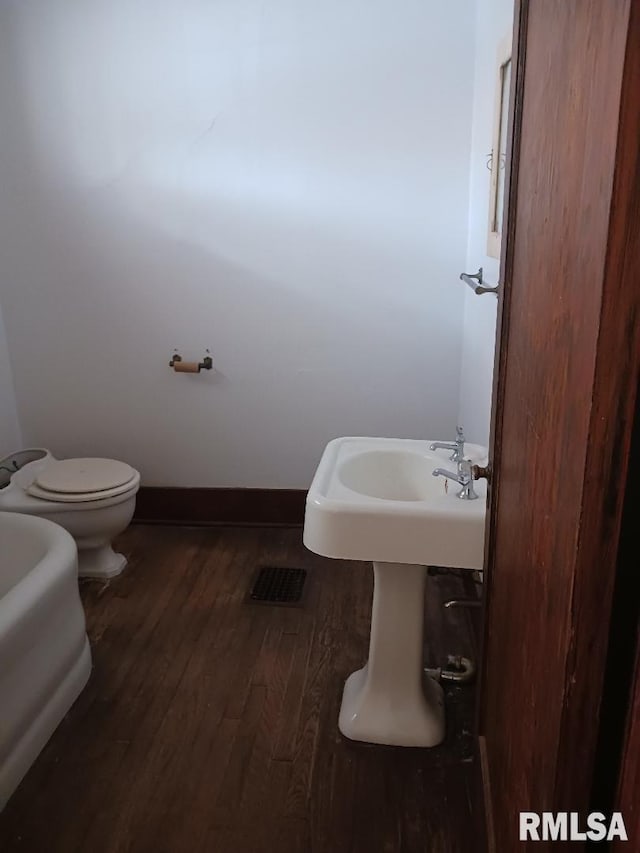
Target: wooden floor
{"points": [[210, 723]]}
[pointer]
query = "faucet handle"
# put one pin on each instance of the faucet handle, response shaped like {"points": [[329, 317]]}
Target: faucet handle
{"points": [[465, 472], [458, 453], [465, 478]]}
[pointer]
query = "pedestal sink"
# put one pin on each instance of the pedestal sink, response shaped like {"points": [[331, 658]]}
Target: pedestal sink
{"points": [[375, 499]]}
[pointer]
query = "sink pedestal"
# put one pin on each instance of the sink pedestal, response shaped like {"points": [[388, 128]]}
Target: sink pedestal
{"points": [[391, 700]]}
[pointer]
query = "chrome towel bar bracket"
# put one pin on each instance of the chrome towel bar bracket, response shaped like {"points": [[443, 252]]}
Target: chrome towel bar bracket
{"points": [[476, 284]]}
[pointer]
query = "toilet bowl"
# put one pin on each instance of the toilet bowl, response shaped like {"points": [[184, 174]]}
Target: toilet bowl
{"points": [[93, 499]]}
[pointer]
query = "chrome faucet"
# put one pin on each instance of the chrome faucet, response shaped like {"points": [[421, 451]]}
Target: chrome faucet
{"points": [[457, 446], [464, 476]]}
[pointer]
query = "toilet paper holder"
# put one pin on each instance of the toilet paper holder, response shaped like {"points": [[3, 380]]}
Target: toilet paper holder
{"points": [[181, 366]]}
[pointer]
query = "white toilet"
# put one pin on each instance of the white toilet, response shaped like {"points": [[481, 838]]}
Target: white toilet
{"points": [[93, 499]]}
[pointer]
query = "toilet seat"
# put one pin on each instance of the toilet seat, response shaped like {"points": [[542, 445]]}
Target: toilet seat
{"points": [[85, 479]]}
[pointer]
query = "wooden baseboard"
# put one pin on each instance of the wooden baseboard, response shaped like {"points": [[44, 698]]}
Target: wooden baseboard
{"points": [[211, 507], [486, 793]]}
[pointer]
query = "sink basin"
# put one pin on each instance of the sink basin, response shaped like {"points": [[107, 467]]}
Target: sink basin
{"points": [[377, 499], [391, 475]]}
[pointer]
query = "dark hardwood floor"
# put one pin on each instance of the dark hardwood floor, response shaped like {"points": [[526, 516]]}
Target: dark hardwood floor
{"points": [[210, 723]]}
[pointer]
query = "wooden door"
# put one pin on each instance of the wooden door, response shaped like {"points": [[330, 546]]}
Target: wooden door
{"points": [[567, 376], [618, 759], [629, 780]]}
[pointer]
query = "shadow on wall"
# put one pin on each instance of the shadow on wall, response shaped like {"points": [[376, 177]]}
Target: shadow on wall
{"points": [[309, 294]]}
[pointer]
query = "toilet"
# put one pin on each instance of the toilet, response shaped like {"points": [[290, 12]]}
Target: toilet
{"points": [[92, 498]]}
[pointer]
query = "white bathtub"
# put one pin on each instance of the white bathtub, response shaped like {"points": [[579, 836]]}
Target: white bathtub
{"points": [[45, 658]]}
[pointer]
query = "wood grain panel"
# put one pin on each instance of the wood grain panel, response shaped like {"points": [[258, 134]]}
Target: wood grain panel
{"points": [[611, 430], [210, 723], [566, 384]]}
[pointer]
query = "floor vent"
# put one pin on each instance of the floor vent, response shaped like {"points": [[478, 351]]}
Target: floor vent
{"points": [[276, 585]]}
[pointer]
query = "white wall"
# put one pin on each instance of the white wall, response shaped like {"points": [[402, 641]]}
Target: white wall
{"points": [[10, 438], [285, 183], [494, 22]]}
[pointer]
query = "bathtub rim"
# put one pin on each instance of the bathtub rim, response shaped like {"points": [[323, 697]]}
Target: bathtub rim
{"points": [[59, 560]]}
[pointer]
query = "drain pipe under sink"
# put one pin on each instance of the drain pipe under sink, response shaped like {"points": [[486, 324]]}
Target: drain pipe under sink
{"points": [[459, 670]]}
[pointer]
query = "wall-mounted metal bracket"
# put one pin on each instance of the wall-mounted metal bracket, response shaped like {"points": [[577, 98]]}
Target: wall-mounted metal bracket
{"points": [[475, 282]]}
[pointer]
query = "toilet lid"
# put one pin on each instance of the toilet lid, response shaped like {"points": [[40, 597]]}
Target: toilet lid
{"points": [[84, 477], [83, 497]]}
